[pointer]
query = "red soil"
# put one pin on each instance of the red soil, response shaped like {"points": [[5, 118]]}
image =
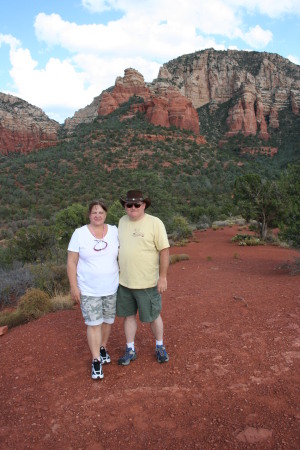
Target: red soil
{"points": [[233, 335]]}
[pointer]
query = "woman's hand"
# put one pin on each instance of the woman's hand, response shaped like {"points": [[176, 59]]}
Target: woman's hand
{"points": [[75, 295]]}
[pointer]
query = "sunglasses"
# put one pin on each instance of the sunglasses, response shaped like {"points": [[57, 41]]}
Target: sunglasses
{"points": [[100, 245], [130, 205]]}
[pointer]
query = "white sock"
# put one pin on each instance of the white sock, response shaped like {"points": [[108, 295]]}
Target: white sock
{"points": [[159, 343], [130, 345]]}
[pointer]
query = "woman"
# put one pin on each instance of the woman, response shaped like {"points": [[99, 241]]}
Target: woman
{"points": [[94, 277]]}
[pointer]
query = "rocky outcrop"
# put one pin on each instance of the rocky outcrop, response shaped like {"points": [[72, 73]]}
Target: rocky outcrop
{"points": [[255, 87], [247, 115], [24, 127], [162, 104], [259, 85]]}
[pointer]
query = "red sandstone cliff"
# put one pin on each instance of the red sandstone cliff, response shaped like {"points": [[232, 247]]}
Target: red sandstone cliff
{"points": [[259, 85], [24, 127], [163, 104], [255, 87]]}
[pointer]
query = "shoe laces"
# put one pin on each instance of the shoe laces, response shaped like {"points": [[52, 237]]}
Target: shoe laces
{"points": [[162, 351], [129, 352], [97, 365]]}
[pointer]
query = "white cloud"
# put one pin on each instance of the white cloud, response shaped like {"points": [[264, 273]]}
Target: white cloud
{"points": [[257, 37], [270, 8], [145, 35], [9, 40], [98, 6], [294, 59]]}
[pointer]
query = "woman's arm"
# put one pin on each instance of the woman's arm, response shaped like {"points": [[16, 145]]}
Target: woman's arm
{"points": [[72, 262]]}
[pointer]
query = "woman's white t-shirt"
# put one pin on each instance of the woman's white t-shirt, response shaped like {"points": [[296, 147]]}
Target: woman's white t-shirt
{"points": [[97, 271]]}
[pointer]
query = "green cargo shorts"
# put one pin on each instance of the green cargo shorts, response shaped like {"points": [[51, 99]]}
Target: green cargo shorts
{"points": [[146, 301]]}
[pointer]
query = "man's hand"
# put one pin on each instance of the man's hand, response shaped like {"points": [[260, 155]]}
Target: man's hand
{"points": [[162, 285]]}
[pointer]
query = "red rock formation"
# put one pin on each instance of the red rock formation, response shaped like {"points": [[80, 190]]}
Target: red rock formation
{"points": [[247, 115], [24, 127], [164, 107], [261, 84]]}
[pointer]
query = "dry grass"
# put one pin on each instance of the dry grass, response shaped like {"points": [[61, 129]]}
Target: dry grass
{"points": [[176, 258], [34, 304]]}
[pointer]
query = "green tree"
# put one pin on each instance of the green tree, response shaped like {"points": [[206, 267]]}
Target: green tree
{"points": [[68, 219], [258, 199], [115, 212], [33, 244], [290, 185]]}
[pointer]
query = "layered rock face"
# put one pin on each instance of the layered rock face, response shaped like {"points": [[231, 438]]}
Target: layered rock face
{"points": [[259, 85], [163, 104], [255, 87], [24, 127]]}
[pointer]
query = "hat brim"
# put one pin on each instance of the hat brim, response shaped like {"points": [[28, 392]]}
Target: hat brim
{"points": [[147, 201]]}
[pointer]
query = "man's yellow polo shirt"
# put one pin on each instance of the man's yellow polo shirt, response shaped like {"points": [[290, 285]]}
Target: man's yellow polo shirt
{"points": [[140, 244]]}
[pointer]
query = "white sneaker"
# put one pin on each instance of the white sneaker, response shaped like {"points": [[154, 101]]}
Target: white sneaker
{"points": [[104, 356], [97, 371]]}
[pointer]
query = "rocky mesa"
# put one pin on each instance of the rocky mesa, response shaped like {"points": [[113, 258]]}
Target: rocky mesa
{"points": [[253, 87], [24, 127], [163, 104], [257, 84]]}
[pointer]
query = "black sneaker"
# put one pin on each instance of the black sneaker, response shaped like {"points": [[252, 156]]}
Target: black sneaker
{"points": [[104, 356], [97, 369], [130, 355]]}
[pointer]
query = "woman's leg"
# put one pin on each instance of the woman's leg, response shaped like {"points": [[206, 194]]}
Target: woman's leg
{"points": [[105, 333], [94, 340]]}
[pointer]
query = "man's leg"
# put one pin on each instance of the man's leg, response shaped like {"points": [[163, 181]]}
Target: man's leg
{"points": [[157, 328], [130, 327]]}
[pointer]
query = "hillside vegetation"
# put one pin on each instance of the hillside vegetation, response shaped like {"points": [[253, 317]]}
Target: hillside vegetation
{"points": [[108, 157]]}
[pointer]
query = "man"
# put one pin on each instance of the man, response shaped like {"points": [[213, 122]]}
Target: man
{"points": [[144, 262]]}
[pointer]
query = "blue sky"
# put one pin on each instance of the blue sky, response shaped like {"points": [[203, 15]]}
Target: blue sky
{"points": [[60, 54]]}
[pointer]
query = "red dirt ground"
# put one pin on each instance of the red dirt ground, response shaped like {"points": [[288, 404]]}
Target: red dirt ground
{"points": [[233, 335]]}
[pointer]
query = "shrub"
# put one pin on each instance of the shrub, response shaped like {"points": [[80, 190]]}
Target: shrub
{"points": [[12, 319], [34, 304], [203, 223], [180, 228], [51, 278], [176, 258], [246, 239], [60, 302], [13, 284]]}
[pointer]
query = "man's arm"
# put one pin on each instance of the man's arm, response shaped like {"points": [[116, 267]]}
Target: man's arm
{"points": [[164, 260]]}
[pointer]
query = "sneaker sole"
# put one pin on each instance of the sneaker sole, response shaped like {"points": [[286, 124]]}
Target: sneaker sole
{"points": [[161, 362], [105, 361], [96, 377], [127, 362]]}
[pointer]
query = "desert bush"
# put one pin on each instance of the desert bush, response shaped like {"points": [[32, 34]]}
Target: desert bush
{"points": [[34, 304], [60, 302], [176, 258], [203, 223], [13, 284], [246, 239], [51, 278], [180, 228], [12, 319]]}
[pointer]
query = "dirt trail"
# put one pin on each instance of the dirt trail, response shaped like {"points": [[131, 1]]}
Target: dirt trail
{"points": [[233, 335]]}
